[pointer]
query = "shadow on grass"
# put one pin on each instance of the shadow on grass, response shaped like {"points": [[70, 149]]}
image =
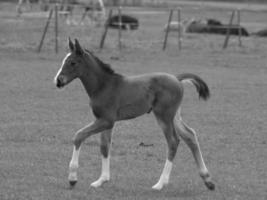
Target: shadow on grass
{"points": [[139, 192]]}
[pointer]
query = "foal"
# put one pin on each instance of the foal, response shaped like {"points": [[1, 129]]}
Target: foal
{"points": [[115, 97]]}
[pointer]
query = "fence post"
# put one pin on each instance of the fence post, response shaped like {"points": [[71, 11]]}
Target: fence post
{"points": [[56, 28], [105, 30], [167, 31], [228, 30], [239, 28], [179, 29], [120, 24], [45, 30]]}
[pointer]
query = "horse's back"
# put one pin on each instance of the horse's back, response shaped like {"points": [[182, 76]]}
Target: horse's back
{"points": [[156, 76], [163, 88], [155, 81]]}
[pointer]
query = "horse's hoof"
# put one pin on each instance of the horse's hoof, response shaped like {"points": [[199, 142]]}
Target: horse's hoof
{"points": [[210, 185], [72, 183]]}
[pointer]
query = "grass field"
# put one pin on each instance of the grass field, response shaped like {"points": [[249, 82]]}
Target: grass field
{"points": [[37, 121]]}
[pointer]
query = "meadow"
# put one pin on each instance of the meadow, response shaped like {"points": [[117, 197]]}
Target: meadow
{"points": [[38, 121]]}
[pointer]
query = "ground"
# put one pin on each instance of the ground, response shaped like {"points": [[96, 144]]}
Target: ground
{"points": [[37, 121]]}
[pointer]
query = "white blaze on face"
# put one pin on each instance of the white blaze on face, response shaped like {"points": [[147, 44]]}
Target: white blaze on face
{"points": [[60, 69]]}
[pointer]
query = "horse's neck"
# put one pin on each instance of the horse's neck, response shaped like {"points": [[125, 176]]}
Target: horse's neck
{"points": [[94, 81]]}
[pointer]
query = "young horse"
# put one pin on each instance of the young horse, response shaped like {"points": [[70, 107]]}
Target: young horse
{"points": [[116, 97]]}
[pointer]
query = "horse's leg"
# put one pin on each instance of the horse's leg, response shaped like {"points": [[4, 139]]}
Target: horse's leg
{"points": [[168, 128], [73, 166], [105, 147], [18, 7], [189, 136], [93, 128]]}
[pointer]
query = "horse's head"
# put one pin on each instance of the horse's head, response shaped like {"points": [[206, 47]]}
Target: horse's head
{"points": [[73, 65]]}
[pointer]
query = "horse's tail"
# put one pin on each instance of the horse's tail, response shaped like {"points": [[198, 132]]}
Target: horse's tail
{"points": [[201, 86]]}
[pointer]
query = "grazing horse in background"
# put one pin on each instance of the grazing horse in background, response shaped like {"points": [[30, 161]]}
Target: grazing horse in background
{"points": [[127, 22], [214, 26], [94, 9], [179, 26], [19, 6], [114, 97]]}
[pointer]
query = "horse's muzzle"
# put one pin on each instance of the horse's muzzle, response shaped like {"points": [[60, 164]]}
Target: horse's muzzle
{"points": [[60, 82]]}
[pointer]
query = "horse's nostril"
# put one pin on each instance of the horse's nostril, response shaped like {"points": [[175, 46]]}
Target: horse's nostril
{"points": [[59, 82]]}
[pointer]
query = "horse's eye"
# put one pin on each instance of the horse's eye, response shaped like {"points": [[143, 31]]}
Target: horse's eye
{"points": [[72, 63]]}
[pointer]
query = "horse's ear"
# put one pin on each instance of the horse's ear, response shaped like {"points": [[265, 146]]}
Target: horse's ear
{"points": [[71, 45], [78, 48]]}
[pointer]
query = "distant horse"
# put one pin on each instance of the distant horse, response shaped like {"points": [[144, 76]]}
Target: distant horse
{"points": [[179, 26], [115, 97], [127, 22], [261, 33], [214, 26], [94, 9], [19, 6]]}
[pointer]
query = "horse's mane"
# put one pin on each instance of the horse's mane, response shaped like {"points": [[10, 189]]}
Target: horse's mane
{"points": [[104, 66]]}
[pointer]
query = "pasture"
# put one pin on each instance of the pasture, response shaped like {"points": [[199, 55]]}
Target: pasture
{"points": [[38, 121]]}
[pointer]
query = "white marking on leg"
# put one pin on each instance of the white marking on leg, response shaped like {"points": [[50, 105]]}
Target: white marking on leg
{"points": [[60, 69], [202, 167], [178, 115], [186, 135], [105, 173], [74, 164], [105, 167], [198, 154], [164, 177]]}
